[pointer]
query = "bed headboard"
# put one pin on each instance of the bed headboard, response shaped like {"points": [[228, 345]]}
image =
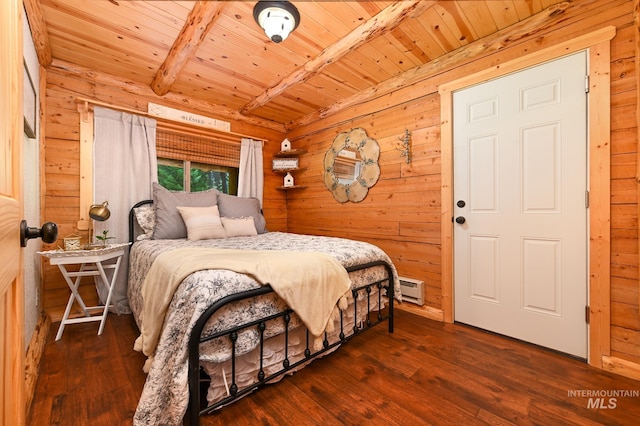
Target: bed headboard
{"points": [[134, 228]]}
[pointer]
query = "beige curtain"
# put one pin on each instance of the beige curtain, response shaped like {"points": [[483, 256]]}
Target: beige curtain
{"points": [[251, 175], [125, 166]]}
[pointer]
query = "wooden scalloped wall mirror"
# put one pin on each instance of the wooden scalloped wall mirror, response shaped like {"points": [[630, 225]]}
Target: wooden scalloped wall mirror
{"points": [[351, 166]]}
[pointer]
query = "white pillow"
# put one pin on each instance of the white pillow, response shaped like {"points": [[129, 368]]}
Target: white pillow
{"points": [[202, 223], [239, 226]]}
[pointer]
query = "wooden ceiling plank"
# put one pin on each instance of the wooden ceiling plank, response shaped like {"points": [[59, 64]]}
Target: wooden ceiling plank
{"points": [[365, 63], [403, 59], [39, 33], [436, 26], [479, 17], [220, 76], [504, 13], [312, 29], [381, 56], [79, 35], [456, 23], [217, 91], [493, 42], [386, 20], [352, 79], [285, 105], [103, 17], [118, 69], [368, 7], [203, 15], [523, 9], [76, 49], [263, 69], [160, 14], [411, 49], [328, 90], [423, 38], [319, 15]]}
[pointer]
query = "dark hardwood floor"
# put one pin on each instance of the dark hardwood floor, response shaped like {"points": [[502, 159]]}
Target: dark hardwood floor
{"points": [[424, 373]]}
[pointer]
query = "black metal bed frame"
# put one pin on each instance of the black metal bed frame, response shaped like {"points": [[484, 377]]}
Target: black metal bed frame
{"points": [[196, 338], [361, 295]]}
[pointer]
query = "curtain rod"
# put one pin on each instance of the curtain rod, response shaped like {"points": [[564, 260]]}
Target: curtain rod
{"points": [[144, 114]]}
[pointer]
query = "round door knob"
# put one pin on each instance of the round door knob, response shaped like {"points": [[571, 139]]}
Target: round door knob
{"points": [[460, 220], [48, 233]]}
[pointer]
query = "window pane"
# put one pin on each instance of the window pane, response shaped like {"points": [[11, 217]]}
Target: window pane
{"points": [[171, 174], [208, 176]]}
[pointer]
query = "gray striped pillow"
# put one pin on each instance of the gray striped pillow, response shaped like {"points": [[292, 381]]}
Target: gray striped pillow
{"points": [[232, 206]]}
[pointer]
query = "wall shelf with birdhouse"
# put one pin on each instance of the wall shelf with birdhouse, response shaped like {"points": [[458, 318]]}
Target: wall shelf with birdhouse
{"points": [[286, 163]]}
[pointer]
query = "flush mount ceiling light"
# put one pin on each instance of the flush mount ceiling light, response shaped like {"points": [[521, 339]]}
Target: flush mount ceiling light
{"points": [[277, 18]]}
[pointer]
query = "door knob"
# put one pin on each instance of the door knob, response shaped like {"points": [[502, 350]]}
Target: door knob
{"points": [[460, 220], [48, 233]]}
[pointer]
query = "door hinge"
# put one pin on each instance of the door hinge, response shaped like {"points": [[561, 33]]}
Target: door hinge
{"points": [[586, 199], [587, 314], [586, 84]]}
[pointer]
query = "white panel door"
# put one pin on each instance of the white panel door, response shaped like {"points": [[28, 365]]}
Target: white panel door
{"points": [[520, 181]]}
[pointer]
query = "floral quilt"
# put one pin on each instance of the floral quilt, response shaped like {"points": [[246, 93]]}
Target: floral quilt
{"points": [[164, 398]]}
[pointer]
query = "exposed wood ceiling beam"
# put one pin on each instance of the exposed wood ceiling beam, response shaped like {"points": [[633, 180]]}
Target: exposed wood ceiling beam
{"points": [[39, 32], [492, 43], [97, 78], [203, 15], [385, 21]]}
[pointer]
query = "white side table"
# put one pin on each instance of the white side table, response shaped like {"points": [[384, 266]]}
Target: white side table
{"points": [[91, 264]]}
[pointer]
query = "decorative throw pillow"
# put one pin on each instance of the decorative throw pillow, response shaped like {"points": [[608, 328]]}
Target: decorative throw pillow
{"points": [[232, 206], [169, 223], [203, 223], [239, 226], [146, 217]]}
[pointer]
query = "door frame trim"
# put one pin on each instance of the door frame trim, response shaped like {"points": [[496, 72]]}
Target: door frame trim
{"points": [[599, 134]]}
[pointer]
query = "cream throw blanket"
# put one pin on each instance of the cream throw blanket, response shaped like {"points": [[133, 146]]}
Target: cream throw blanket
{"points": [[311, 283]]}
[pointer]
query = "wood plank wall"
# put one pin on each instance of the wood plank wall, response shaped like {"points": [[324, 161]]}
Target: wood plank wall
{"points": [[401, 214], [65, 83]]}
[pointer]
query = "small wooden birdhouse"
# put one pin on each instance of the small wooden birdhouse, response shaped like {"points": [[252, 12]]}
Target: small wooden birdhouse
{"points": [[285, 145], [288, 180]]}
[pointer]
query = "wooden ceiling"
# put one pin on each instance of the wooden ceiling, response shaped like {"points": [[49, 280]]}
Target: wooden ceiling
{"points": [[213, 51]]}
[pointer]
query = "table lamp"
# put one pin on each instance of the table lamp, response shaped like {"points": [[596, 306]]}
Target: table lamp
{"points": [[99, 212]]}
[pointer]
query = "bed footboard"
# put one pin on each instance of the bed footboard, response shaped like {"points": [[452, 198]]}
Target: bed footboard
{"points": [[362, 303]]}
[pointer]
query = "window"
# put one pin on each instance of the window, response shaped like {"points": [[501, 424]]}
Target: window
{"points": [[198, 176], [197, 162]]}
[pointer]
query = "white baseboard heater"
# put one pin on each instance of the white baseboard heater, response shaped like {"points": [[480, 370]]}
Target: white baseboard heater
{"points": [[412, 290]]}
